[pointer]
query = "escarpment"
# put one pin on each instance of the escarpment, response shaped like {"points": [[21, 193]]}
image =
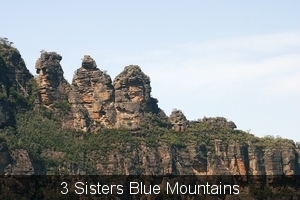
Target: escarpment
{"points": [[51, 82], [14, 72], [15, 83], [140, 158], [112, 109]]}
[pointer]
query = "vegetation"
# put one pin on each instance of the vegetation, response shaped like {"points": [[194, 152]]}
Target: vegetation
{"points": [[34, 91], [4, 41], [53, 146], [3, 97], [63, 107]]}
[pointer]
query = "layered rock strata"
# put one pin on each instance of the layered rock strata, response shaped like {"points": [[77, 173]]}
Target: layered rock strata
{"points": [[92, 97], [97, 102], [133, 97], [227, 159], [52, 84]]}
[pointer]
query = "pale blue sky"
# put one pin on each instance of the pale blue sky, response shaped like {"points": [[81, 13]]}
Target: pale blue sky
{"points": [[236, 59]]}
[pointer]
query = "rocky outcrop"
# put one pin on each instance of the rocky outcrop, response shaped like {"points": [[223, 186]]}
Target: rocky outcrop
{"points": [[178, 120], [15, 84], [133, 97], [92, 97], [21, 164], [218, 123], [14, 68], [16, 162], [51, 82], [97, 102]]}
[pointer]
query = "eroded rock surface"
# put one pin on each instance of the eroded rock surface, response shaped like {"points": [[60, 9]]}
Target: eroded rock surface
{"points": [[92, 97], [178, 120], [133, 97], [52, 84], [218, 123], [15, 84], [14, 68]]}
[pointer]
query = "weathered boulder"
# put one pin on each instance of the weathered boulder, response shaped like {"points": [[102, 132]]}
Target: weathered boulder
{"points": [[92, 97], [52, 84], [178, 120], [132, 97]]}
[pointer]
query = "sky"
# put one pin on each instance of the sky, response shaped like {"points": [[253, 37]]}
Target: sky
{"points": [[235, 59]]}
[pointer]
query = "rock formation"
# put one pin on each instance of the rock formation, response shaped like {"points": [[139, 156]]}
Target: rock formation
{"points": [[218, 122], [16, 162], [92, 97], [14, 68], [133, 97], [52, 84], [15, 83], [178, 120], [96, 102], [5, 112]]}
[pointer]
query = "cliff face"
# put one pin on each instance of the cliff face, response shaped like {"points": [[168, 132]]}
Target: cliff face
{"points": [[5, 112], [232, 159], [194, 160], [51, 82], [15, 84], [17, 75], [92, 97]]}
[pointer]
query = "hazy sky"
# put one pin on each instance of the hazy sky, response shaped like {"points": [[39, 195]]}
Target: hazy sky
{"points": [[236, 59]]}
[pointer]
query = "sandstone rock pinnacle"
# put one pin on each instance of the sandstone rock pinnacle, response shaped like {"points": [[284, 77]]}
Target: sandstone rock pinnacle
{"points": [[178, 120], [92, 97], [52, 84], [132, 97]]}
